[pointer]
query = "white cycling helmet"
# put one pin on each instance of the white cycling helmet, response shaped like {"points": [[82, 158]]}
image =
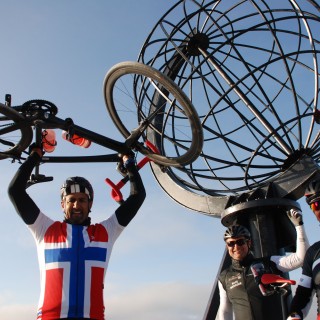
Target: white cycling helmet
{"points": [[77, 184]]}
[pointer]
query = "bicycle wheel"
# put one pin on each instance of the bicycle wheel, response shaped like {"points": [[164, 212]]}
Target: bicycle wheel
{"points": [[136, 93], [13, 138]]}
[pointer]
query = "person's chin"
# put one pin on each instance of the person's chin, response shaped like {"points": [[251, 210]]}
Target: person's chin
{"points": [[77, 219], [238, 257]]}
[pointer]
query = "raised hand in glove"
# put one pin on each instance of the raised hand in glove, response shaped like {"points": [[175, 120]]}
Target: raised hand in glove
{"points": [[295, 216], [127, 161]]}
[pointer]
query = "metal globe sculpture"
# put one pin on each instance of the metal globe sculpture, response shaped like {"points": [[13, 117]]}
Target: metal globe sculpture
{"points": [[251, 69]]}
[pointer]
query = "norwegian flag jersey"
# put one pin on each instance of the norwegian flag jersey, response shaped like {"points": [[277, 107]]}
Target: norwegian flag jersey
{"points": [[73, 261]]}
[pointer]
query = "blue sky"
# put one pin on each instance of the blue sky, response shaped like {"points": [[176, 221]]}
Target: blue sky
{"points": [[165, 263]]}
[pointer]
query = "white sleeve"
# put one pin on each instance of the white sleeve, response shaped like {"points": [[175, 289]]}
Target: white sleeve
{"points": [[295, 259], [225, 307], [113, 227], [40, 226]]}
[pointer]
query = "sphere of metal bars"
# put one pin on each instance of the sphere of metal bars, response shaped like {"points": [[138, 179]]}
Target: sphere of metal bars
{"points": [[251, 69]]}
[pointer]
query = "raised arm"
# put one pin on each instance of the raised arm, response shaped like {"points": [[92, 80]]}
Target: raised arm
{"points": [[295, 259], [128, 209], [24, 205]]}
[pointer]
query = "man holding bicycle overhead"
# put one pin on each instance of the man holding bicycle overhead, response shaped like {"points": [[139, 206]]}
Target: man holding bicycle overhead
{"points": [[242, 297], [74, 254], [309, 282]]}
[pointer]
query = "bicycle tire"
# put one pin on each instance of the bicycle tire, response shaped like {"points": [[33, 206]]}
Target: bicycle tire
{"points": [[14, 140], [186, 154]]}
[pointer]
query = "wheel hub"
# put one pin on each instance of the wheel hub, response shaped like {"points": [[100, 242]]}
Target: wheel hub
{"points": [[196, 42]]}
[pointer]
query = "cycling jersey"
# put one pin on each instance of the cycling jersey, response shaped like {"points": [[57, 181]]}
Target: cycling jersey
{"points": [[240, 295], [309, 282], [73, 261]]}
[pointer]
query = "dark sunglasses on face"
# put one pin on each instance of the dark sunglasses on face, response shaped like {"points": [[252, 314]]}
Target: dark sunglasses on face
{"points": [[315, 205], [239, 242]]}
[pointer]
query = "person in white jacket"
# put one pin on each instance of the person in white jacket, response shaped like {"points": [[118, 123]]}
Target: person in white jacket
{"points": [[240, 296]]}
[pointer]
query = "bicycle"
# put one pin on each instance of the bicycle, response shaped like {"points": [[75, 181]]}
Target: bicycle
{"points": [[162, 110], [278, 285], [270, 284]]}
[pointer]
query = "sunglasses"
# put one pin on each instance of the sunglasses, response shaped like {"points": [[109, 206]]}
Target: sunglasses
{"points": [[315, 205], [239, 242]]}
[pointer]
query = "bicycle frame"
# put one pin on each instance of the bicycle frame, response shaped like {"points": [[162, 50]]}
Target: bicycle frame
{"points": [[53, 122], [42, 120], [41, 115], [165, 116]]}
